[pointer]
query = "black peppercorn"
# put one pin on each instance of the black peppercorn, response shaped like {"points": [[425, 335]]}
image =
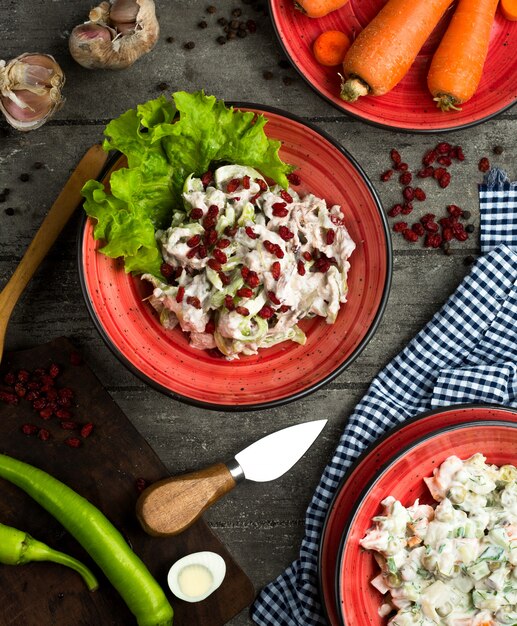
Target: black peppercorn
{"points": [[3, 197], [222, 21], [162, 86], [234, 24], [469, 260], [231, 35], [211, 9], [241, 33], [189, 45], [267, 75], [170, 40], [24, 177], [469, 228], [9, 211], [465, 215], [37, 165], [221, 40], [202, 24], [498, 150], [284, 64]]}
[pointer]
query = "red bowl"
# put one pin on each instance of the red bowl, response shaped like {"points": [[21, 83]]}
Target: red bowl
{"points": [[409, 106], [366, 467], [284, 372], [403, 477]]}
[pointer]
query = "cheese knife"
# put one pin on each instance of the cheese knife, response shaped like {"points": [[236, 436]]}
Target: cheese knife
{"points": [[171, 505]]}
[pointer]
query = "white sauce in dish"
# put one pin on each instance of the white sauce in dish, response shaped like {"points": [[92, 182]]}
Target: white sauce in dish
{"points": [[454, 564]]}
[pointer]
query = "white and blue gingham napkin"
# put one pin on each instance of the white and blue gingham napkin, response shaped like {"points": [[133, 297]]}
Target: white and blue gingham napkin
{"points": [[466, 353]]}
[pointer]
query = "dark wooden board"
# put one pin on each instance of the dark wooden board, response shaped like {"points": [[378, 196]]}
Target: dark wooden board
{"points": [[104, 470]]}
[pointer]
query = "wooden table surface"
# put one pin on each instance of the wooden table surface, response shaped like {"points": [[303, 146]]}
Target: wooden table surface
{"points": [[262, 524]]}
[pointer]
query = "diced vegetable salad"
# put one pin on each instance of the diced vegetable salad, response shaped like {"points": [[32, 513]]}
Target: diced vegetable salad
{"points": [[455, 564]]}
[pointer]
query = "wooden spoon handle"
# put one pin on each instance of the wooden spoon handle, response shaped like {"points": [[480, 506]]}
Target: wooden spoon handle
{"points": [[171, 505], [70, 197]]}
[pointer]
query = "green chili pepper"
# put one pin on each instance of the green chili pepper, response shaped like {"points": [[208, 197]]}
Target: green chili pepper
{"points": [[19, 548], [103, 542]]}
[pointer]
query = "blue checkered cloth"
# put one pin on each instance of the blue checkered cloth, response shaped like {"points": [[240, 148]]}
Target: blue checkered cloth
{"points": [[466, 353]]}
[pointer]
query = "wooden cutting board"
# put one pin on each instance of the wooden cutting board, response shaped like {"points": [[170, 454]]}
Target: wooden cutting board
{"points": [[104, 470]]}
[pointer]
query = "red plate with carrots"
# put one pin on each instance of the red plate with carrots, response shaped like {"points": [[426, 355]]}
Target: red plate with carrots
{"points": [[409, 105], [287, 371]]}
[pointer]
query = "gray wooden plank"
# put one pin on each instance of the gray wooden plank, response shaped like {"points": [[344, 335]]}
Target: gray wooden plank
{"points": [[261, 524]]}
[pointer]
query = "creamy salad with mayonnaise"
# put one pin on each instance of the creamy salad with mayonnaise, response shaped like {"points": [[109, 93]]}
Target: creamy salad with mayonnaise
{"points": [[454, 564], [245, 262]]}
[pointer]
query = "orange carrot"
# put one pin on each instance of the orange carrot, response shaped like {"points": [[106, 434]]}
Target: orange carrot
{"points": [[385, 50], [318, 8], [509, 9], [330, 47], [458, 62]]}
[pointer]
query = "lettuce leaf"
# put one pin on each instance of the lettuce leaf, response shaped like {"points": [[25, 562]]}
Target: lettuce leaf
{"points": [[164, 142]]}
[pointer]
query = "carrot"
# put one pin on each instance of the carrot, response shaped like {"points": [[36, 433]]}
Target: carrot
{"points": [[318, 8], [509, 9], [330, 47], [385, 50], [458, 62]]}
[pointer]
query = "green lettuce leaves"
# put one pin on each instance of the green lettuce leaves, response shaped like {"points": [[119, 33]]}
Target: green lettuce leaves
{"points": [[164, 142]]}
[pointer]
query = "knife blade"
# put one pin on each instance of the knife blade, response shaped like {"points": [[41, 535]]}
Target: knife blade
{"points": [[169, 506]]}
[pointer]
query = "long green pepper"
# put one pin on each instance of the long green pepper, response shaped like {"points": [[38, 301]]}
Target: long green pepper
{"points": [[19, 548], [103, 542]]}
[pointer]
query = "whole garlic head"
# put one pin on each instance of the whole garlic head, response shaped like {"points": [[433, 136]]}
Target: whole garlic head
{"points": [[116, 35], [30, 90]]}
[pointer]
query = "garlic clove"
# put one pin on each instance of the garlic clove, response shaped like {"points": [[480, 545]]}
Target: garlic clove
{"points": [[124, 11], [30, 90], [134, 38], [28, 106], [89, 31]]}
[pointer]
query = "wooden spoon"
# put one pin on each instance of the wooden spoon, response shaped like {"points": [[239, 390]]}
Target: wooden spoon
{"points": [[90, 166]]}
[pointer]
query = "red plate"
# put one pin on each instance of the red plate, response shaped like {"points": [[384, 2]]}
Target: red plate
{"points": [[284, 372], [409, 106], [365, 468], [403, 478]]}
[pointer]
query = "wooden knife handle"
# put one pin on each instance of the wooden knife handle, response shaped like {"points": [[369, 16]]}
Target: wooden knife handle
{"points": [[169, 506]]}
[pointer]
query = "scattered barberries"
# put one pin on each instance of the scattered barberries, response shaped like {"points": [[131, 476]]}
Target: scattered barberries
{"points": [[395, 156], [266, 312], [405, 178], [484, 165], [410, 235], [395, 210], [294, 179], [418, 229], [420, 194], [386, 175]]}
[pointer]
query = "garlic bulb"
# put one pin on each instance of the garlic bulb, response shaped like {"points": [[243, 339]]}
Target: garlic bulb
{"points": [[116, 35], [30, 90]]}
